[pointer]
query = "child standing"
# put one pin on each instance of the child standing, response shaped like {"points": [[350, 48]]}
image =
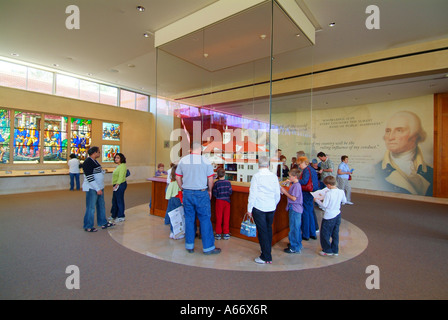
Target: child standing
{"points": [[295, 209], [222, 189], [174, 196], [332, 217], [160, 170]]}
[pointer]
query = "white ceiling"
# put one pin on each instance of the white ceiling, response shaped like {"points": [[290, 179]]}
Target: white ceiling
{"points": [[110, 39]]}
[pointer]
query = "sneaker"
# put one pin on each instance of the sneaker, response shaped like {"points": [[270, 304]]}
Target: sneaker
{"points": [[289, 250], [324, 254], [260, 261], [217, 236], [214, 251], [119, 220], [226, 236]]}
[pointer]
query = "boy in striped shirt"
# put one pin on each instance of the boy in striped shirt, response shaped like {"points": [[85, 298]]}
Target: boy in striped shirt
{"points": [[222, 189]]}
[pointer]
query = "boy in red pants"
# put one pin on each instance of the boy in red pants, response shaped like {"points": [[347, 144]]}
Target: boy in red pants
{"points": [[222, 189]]}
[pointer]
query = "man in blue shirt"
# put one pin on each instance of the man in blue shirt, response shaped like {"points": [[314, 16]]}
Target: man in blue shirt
{"points": [[194, 175], [343, 176]]}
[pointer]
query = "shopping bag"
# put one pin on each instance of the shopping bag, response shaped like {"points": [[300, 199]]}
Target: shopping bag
{"points": [[177, 218], [248, 227]]}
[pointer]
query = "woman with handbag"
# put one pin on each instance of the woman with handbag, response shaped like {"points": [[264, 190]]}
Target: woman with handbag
{"points": [[119, 187], [309, 181], [264, 195]]}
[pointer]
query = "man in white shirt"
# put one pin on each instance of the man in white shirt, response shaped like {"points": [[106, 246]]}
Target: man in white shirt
{"points": [[264, 195]]}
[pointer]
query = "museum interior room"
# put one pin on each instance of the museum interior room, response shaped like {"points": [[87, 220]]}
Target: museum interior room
{"points": [[363, 79]]}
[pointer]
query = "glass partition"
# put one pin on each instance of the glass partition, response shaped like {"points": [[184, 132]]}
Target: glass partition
{"points": [[214, 85], [291, 112]]}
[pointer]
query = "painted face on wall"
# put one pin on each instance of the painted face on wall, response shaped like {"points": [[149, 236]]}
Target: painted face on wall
{"points": [[401, 133]]}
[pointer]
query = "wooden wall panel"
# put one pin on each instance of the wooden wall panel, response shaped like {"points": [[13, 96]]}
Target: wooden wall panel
{"points": [[441, 145]]}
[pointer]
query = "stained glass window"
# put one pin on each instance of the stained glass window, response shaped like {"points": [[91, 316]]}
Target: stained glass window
{"points": [[81, 130], [26, 137], [5, 133], [109, 152], [111, 131], [55, 138]]}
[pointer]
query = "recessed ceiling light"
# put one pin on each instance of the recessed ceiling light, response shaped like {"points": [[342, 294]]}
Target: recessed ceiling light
{"points": [[15, 54], [262, 36], [298, 35], [205, 55], [140, 8], [332, 24], [55, 65], [146, 35]]}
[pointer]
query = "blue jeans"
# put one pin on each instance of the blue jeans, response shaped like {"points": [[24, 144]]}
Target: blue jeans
{"points": [[330, 228], [295, 231], [197, 204], [93, 200], [117, 210], [263, 221], [74, 176], [308, 228]]}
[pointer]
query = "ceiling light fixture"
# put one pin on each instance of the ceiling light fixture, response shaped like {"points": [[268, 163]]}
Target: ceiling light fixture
{"points": [[205, 55], [332, 24], [147, 34], [263, 36], [140, 8], [15, 54]]}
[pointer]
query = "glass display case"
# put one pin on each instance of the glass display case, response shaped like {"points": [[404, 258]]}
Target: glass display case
{"points": [[222, 85]]}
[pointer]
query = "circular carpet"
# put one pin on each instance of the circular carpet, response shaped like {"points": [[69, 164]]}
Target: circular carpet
{"points": [[148, 235]]}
